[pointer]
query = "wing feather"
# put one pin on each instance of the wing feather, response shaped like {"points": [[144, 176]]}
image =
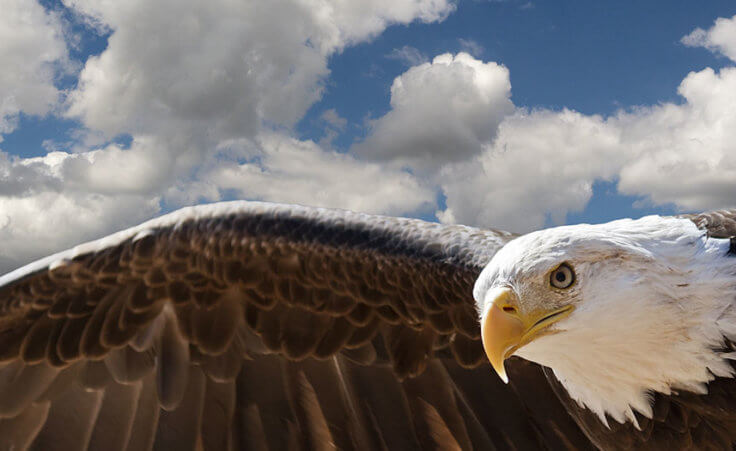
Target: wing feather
{"points": [[258, 326], [114, 422]]}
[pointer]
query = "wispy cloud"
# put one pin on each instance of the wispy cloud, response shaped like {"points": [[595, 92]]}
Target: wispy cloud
{"points": [[408, 55], [471, 46], [720, 38]]}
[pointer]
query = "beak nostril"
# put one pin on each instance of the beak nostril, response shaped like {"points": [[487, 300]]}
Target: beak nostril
{"points": [[509, 309]]}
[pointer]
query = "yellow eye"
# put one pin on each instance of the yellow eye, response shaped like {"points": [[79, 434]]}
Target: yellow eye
{"points": [[562, 277]]}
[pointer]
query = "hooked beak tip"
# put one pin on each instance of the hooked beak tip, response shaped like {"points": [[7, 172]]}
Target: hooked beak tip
{"points": [[500, 331]]}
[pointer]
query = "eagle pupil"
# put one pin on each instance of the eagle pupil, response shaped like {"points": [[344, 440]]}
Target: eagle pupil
{"points": [[560, 276]]}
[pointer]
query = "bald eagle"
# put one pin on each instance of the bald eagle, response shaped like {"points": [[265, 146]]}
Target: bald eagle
{"points": [[247, 325]]}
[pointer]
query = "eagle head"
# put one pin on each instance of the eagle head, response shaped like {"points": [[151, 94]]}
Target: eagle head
{"points": [[617, 311]]}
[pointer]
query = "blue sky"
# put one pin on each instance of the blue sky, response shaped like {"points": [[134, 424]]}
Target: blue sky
{"points": [[593, 57], [509, 114]]}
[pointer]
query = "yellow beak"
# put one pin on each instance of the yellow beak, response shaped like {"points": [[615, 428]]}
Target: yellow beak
{"points": [[505, 328]]}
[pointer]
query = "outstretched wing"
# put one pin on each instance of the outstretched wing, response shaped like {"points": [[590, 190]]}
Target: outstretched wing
{"points": [[263, 326]]}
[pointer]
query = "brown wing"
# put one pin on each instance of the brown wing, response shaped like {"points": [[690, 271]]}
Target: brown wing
{"points": [[262, 326], [718, 224]]}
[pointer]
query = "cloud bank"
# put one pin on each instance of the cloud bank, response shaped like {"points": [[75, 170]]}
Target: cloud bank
{"points": [[209, 99], [33, 51]]}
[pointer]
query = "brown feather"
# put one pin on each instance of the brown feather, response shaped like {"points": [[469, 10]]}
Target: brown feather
{"points": [[115, 419], [363, 335], [218, 416], [434, 403], [261, 383], [20, 385], [127, 365], [363, 355], [360, 315], [409, 349], [111, 334], [436, 435], [173, 363], [145, 421], [334, 338], [94, 375], [469, 353], [79, 307], [223, 367], [214, 328], [302, 332], [321, 407], [70, 420], [180, 427], [12, 338], [52, 356], [33, 349], [18, 432], [67, 345], [315, 433], [90, 343], [145, 337], [252, 436]]}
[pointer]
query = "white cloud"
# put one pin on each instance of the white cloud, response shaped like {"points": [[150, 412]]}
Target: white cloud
{"points": [[685, 154], [453, 123], [542, 163], [334, 126], [210, 96], [32, 51], [720, 38], [288, 170], [471, 46], [182, 78], [32, 227], [334, 120], [441, 112], [40, 212], [221, 67], [411, 56], [218, 70]]}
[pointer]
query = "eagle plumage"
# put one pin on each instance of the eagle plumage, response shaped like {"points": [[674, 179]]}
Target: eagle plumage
{"points": [[247, 325]]}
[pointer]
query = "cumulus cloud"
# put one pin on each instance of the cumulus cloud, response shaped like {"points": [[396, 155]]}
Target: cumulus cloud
{"points": [[452, 121], [31, 54], [541, 165], [222, 67], [441, 112], [40, 212], [288, 170], [180, 79], [685, 154], [210, 95], [218, 70], [720, 38], [33, 226]]}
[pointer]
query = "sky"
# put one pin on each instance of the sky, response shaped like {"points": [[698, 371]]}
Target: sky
{"points": [[509, 114]]}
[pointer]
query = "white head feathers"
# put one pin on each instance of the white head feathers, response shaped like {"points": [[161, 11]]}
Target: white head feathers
{"points": [[654, 299]]}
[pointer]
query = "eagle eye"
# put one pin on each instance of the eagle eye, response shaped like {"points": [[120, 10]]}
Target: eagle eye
{"points": [[562, 277]]}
